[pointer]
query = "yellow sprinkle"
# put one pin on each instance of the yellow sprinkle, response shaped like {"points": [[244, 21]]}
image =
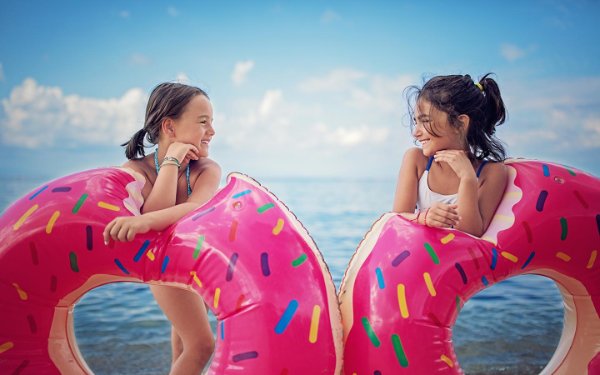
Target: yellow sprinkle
{"points": [[509, 256], [108, 206], [402, 301], [6, 346], [217, 296], [196, 278], [448, 238], [563, 256], [429, 284], [150, 255], [314, 324], [448, 361], [51, 222], [24, 217], [278, 227], [592, 259], [22, 293]]}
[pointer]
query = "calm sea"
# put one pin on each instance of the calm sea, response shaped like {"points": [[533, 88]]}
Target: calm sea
{"points": [[511, 328]]}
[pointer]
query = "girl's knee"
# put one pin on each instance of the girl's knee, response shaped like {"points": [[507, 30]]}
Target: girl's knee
{"points": [[202, 347]]}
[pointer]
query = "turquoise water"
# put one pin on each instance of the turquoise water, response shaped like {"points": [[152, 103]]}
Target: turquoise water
{"points": [[511, 328]]}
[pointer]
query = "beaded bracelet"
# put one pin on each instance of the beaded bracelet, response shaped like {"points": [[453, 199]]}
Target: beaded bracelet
{"points": [[169, 162], [173, 160], [416, 219], [425, 219]]}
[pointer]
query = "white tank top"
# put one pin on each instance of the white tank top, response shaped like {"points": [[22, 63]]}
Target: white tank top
{"points": [[426, 197]]}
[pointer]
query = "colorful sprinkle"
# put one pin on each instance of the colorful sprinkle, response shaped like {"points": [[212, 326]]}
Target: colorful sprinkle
{"points": [[233, 230], [6, 346], [539, 206], [222, 330], [278, 227], [24, 217], [150, 255], [89, 240], [231, 266], [22, 294], [164, 264], [372, 336], [546, 170], [241, 194], [513, 258], [141, 251], [592, 259], [121, 266], [399, 350], [580, 199], [448, 361], [314, 324], [73, 261], [564, 229], [494, 258], [51, 222], [380, 280], [528, 231], [484, 280], [430, 287], [32, 324], [571, 172], [198, 247], [563, 256], [34, 254], [38, 192], [528, 260], [462, 273], [61, 189], [216, 298], [264, 264], [244, 356], [287, 316], [265, 207], [448, 238], [432, 253], [79, 203], [400, 258], [298, 261], [108, 206], [196, 278], [202, 213], [401, 291]]}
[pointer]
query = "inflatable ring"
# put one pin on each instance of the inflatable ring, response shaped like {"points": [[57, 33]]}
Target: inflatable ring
{"points": [[243, 251], [406, 283]]}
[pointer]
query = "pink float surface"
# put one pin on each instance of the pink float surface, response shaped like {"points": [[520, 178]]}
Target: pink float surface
{"points": [[250, 259], [407, 283]]}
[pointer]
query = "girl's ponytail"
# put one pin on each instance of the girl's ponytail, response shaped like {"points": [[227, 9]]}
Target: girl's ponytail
{"points": [[495, 112], [134, 148]]}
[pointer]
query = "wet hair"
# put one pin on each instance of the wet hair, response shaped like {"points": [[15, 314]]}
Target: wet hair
{"points": [[167, 100], [458, 95]]}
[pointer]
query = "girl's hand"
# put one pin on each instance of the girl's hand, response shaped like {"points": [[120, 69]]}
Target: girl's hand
{"points": [[183, 152], [458, 161], [442, 215], [124, 228]]}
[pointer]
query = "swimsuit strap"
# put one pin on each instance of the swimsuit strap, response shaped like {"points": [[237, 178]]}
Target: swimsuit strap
{"points": [[187, 172], [429, 163], [483, 163]]}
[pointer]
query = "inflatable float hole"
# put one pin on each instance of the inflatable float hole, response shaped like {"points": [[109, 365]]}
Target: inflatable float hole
{"points": [[530, 326], [120, 328]]}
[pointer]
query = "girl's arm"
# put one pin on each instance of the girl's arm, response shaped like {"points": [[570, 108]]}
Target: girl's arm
{"points": [[405, 197], [125, 228]]}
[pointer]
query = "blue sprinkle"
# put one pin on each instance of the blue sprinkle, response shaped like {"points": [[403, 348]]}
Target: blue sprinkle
{"points": [[484, 280], [264, 264], [241, 194], [539, 206], [528, 260], [164, 264], [546, 170], [38, 192], [120, 265], [463, 275], [200, 214], [222, 330], [243, 356], [494, 258], [287, 316], [380, 280], [141, 251]]}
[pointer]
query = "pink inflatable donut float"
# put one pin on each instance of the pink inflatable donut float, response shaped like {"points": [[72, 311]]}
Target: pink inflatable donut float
{"points": [[243, 251], [406, 283]]}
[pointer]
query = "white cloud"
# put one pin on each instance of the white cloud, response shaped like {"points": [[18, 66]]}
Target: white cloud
{"points": [[511, 52], [241, 70], [330, 16], [337, 80], [139, 59], [182, 78], [37, 116], [172, 11], [1, 73], [270, 100]]}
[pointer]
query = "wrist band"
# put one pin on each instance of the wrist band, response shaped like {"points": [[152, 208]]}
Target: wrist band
{"points": [[172, 159], [169, 162], [425, 220], [417, 218]]}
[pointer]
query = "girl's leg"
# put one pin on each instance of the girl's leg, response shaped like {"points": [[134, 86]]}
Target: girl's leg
{"points": [[185, 309]]}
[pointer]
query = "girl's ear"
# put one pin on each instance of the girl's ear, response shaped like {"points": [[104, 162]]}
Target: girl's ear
{"points": [[464, 121], [167, 127]]}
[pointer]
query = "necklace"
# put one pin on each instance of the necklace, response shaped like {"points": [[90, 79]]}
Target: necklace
{"points": [[187, 172]]}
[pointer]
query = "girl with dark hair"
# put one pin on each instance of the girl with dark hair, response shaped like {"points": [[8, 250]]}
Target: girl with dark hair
{"points": [[454, 119], [179, 178]]}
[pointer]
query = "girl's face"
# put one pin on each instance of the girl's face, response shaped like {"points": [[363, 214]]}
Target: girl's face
{"points": [[429, 119], [194, 126]]}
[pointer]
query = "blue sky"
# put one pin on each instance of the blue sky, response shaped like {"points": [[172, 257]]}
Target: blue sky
{"points": [[305, 88]]}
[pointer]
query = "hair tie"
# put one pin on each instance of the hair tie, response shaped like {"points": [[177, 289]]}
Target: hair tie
{"points": [[479, 85]]}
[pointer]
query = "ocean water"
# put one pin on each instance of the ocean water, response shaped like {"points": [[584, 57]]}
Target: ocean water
{"points": [[511, 328]]}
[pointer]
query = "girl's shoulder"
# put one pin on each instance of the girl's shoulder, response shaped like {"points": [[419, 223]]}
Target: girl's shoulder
{"points": [[493, 171], [413, 157], [206, 167]]}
